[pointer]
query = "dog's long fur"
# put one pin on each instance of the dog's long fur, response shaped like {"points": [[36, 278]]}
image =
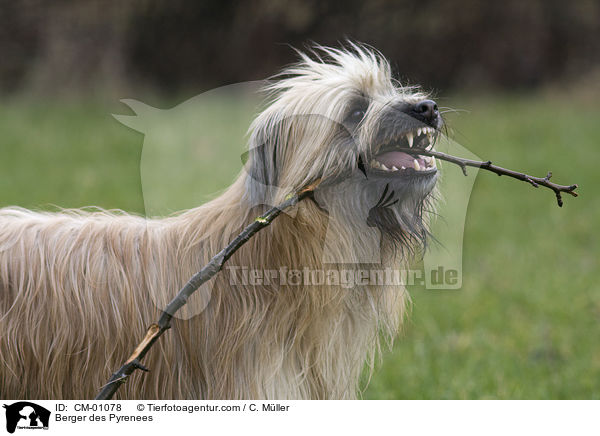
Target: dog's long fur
{"points": [[79, 288]]}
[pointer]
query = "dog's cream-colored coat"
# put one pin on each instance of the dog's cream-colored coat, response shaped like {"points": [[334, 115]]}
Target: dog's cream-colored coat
{"points": [[79, 288]]}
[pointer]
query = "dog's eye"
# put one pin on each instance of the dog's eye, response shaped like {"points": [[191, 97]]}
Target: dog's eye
{"points": [[357, 115]]}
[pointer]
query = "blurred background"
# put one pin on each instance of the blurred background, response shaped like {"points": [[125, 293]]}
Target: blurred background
{"points": [[524, 78]]}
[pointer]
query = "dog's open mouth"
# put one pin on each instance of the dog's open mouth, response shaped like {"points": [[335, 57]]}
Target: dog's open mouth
{"points": [[390, 160]]}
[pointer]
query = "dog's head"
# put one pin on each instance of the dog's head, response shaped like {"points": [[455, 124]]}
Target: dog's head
{"points": [[339, 116]]}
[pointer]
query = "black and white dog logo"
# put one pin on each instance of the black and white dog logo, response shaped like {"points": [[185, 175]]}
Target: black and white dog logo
{"points": [[26, 415]]}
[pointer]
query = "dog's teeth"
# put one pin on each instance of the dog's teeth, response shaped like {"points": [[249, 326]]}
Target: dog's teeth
{"points": [[403, 167], [394, 168], [416, 165], [384, 167], [409, 138], [418, 131]]}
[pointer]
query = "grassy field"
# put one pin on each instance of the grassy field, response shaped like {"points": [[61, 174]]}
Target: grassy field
{"points": [[526, 323]]}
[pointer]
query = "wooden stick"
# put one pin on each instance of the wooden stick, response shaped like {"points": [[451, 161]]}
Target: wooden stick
{"points": [[216, 263]]}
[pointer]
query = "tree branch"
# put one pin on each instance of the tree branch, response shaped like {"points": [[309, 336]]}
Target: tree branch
{"points": [[487, 165], [213, 267], [216, 263]]}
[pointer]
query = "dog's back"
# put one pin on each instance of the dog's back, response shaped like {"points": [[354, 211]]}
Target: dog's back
{"points": [[78, 290], [66, 282]]}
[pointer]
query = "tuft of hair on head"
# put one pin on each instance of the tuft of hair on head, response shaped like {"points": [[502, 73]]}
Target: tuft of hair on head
{"points": [[313, 93]]}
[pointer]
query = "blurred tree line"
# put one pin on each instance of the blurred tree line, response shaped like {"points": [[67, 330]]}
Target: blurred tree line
{"points": [[71, 46]]}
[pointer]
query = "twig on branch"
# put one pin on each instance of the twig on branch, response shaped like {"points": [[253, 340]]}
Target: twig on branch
{"points": [[213, 267], [487, 165]]}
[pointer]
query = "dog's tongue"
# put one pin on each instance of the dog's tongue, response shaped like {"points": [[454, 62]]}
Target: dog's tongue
{"points": [[397, 159]]}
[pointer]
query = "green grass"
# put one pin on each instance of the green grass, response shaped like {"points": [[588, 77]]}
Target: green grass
{"points": [[526, 323]]}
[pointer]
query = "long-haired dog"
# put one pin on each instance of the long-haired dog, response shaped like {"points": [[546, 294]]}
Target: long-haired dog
{"points": [[79, 288]]}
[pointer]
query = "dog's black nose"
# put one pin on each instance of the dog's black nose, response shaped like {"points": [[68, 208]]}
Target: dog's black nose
{"points": [[427, 110]]}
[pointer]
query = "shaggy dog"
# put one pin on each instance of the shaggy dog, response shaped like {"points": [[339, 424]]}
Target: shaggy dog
{"points": [[79, 288]]}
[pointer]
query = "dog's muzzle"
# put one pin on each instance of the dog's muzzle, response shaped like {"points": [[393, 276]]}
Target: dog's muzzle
{"points": [[406, 126]]}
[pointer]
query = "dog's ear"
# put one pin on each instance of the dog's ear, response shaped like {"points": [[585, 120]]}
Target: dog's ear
{"points": [[263, 160]]}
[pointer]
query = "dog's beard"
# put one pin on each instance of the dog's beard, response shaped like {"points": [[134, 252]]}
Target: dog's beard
{"points": [[395, 207]]}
